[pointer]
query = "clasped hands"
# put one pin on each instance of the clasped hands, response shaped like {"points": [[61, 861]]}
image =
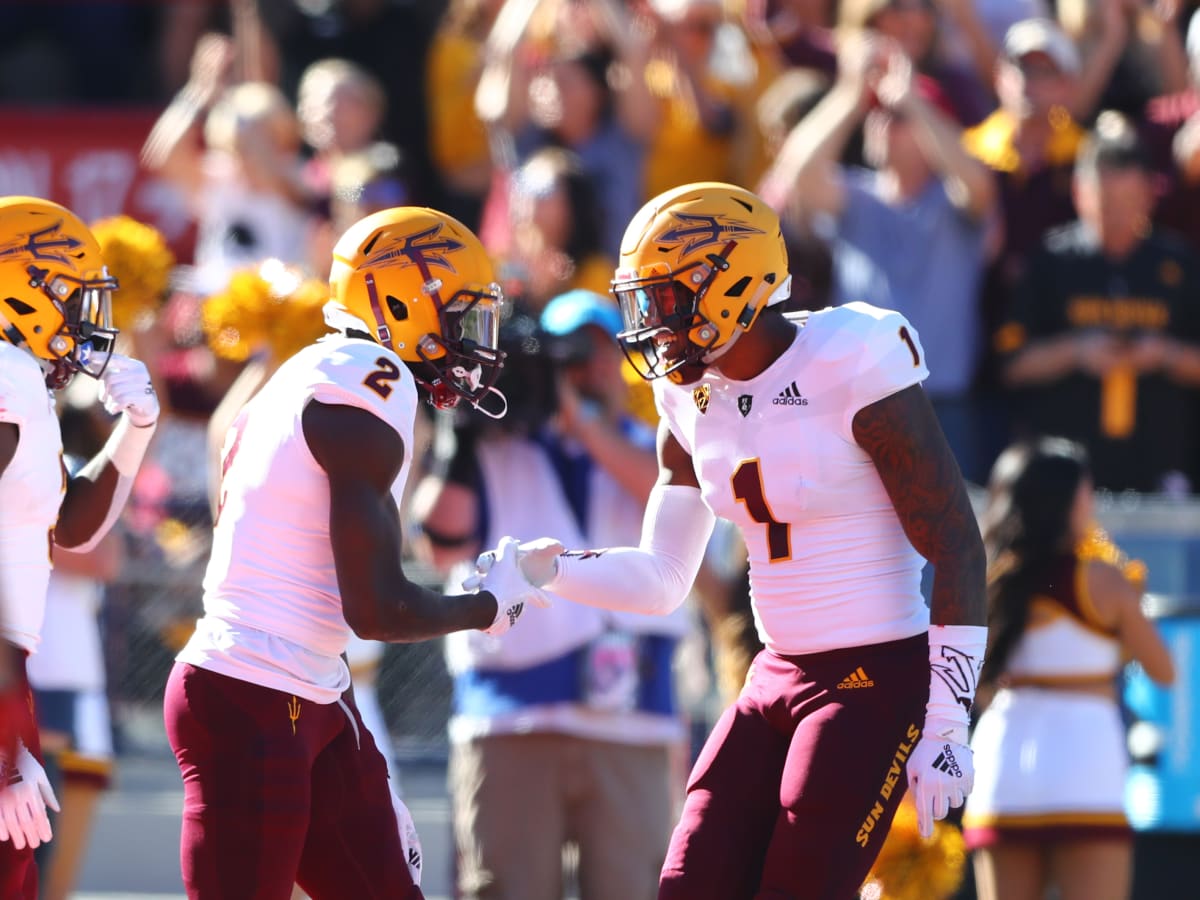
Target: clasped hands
{"points": [[514, 573]]}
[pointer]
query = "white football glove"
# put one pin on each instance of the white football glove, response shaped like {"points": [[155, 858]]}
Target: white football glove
{"points": [[125, 386], [504, 579], [538, 560], [941, 772], [410, 843], [25, 793]]}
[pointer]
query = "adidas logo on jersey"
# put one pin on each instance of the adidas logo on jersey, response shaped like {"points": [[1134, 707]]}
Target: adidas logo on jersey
{"points": [[856, 679], [790, 396], [946, 762]]}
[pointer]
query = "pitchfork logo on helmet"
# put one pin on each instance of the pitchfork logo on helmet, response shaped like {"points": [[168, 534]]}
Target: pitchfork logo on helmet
{"points": [[47, 244], [693, 231], [423, 285], [698, 264], [55, 293], [423, 248]]}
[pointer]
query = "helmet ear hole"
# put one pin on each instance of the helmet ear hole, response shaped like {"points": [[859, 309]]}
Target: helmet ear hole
{"points": [[397, 308], [20, 307]]}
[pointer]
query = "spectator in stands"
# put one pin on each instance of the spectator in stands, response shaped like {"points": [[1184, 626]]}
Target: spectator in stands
{"points": [[1172, 133], [780, 107], [340, 108], [1106, 326], [244, 182], [913, 25], [563, 735], [556, 231], [458, 140], [1029, 144], [977, 39], [568, 99], [1133, 51], [1050, 757], [387, 39], [795, 33], [908, 233], [700, 130]]}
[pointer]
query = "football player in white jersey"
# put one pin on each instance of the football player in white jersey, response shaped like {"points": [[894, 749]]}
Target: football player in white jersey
{"points": [[812, 433], [282, 783], [55, 322]]}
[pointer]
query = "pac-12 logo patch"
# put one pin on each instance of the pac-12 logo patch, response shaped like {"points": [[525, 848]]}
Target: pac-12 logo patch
{"points": [[701, 395], [745, 401]]}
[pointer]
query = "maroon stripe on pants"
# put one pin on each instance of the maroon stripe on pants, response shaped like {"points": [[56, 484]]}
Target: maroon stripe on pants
{"points": [[18, 872], [279, 790], [797, 785]]}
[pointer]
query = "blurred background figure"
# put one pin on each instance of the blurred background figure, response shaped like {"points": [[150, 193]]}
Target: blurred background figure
{"points": [[557, 237], [1050, 757], [1029, 143], [573, 83], [914, 26], [1103, 336], [1135, 51], [564, 732], [244, 181], [68, 673], [458, 140], [700, 72], [908, 232], [340, 109]]}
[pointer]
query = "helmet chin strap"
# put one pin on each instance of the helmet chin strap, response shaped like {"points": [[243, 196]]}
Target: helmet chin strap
{"points": [[382, 332], [488, 413]]}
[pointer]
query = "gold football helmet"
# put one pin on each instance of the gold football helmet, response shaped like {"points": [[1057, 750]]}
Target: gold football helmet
{"points": [[423, 284], [55, 292], [698, 264]]}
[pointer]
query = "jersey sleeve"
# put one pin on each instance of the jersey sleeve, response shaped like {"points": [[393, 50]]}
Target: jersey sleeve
{"points": [[21, 385], [370, 378], [890, 358]]}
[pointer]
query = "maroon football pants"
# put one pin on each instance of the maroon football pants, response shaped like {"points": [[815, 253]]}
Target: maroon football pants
{"points": [[280, 790], [18, 872], [797, 785]]}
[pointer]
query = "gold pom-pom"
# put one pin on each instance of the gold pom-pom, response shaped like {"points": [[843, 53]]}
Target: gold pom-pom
{"points": [[1098, 544], [138, 255], [912, 868], [272, 309]]}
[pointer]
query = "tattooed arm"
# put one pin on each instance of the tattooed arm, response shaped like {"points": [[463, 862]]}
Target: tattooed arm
{"points": [[902, 436]]}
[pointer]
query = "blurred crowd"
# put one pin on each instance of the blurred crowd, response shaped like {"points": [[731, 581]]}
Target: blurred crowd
{"points": [[1019, 178]]}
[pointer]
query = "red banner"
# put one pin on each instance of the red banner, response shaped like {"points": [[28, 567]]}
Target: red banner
{"points": [[87, 160]]}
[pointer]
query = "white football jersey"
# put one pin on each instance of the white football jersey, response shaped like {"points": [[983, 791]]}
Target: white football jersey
{"points": [[272, 609], [830, 565], [31, 488]]}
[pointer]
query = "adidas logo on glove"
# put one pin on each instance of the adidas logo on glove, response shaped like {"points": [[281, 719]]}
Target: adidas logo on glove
{"points": [[946, 762]]}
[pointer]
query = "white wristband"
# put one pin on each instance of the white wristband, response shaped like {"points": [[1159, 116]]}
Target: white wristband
{"points": [[126, 446], [955, 660]]}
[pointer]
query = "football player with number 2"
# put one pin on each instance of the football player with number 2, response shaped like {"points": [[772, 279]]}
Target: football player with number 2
{"points": [[55, 322], [812, 433], [282, 782]]}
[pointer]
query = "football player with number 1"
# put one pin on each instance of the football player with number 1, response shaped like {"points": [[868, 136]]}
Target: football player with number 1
{"points": [[813, 434]]}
